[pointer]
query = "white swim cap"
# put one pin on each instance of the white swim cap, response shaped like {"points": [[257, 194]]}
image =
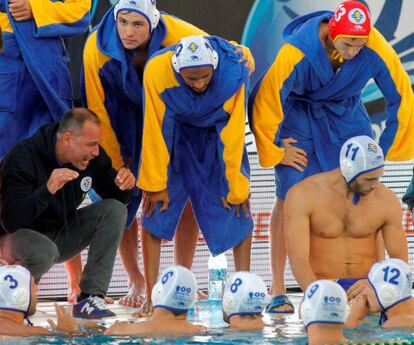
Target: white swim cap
{"points": [[324, 302], [15, 288], [392, 282], [147, 8], [176, 290], [360, 155], [194, 51], [245, 293]]}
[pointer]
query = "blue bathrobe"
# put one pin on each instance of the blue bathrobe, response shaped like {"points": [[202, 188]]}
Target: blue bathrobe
{"points": [[112, 88], [193, 145], [35, 85], [302, 97]]}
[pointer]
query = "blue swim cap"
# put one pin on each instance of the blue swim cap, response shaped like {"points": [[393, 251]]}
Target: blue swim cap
{"points": [[360, 155]]}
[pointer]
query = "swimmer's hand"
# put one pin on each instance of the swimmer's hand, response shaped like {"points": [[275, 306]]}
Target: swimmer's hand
{"points": [[294, 156], [246, 57], [20, 10], [358, 310], [245, 206], [357, 288], [151, 199], [65, 322]]}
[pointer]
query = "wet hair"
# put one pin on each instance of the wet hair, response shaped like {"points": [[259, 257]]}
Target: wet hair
{"points": [[74, 120]]}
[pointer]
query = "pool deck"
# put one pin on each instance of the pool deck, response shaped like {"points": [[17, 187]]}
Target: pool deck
{"points": [[46, 310]]}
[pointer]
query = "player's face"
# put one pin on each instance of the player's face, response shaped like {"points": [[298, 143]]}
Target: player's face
{"points": [[198, 78], [349, 47], [133, 29], [366, 183]]}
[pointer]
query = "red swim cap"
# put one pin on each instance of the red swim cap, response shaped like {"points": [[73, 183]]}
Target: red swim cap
{"points": [[351, 19]]}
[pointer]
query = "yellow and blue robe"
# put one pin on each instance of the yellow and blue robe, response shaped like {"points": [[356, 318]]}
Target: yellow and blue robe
{"points": [[193, 144], [302, 97], [35, 86], [112, 88]]}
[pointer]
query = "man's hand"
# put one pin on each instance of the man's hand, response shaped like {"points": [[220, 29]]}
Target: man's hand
{"points": [[20, 10], [125, 179], [151, 199], [294, 156], [65, 322], [246, 57], [59, 177], [245, 206], [358, 310], [357, 288]]}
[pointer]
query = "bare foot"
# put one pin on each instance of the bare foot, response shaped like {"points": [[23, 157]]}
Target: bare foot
{"points": [[109, 300], [135, 297], [146, 309]]}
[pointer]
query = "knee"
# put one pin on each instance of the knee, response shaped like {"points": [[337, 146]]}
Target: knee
{"points": [[33, 250], [115, 210]]}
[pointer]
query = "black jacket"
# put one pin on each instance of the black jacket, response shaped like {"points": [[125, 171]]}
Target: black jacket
{"points": [[25, 201]]}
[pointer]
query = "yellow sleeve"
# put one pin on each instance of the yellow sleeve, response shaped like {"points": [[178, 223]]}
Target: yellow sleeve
{"points": [[93, 60], [267, 110], [155, 158], [60, 13], [397, 140], [4, 23], [232, 137], [178, 29]]}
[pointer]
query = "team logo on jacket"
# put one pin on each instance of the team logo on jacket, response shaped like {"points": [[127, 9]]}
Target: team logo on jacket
{"points": [[86, 183]]}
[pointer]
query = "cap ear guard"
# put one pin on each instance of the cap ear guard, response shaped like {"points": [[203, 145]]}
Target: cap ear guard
{"points": [[15, 288], [305, 312], [156, 294], [228, 302], [392, 282]]}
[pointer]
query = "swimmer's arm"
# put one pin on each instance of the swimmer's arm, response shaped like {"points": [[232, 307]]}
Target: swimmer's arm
{"points": [[297, 230], [358, 310], [395, 240], [134, 328]]}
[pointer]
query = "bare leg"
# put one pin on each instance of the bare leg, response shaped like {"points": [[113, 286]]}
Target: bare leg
{"points": [[186, 236], [128, 251], [151, 251], [278, 254], [241, 254], [74, 272]]}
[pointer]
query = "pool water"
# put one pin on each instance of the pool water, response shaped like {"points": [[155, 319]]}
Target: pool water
{"points": [[280, 329]]}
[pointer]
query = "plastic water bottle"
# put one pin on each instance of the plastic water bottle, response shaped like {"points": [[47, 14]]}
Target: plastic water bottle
{"points": [[217, 272]]}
